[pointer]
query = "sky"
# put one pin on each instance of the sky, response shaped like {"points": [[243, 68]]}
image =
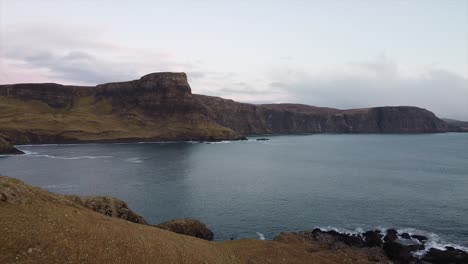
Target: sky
{"points": [[343, 54]]}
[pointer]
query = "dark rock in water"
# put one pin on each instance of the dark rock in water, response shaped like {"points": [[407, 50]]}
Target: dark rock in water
{"points": [[262, 139], [406, 236], [242, 138], [450, 255], [109, 206], [399, 249], [333, 238], [420, 238], [397, 252], [7, 148], [391, 235], [189, 227], [373, 238]]}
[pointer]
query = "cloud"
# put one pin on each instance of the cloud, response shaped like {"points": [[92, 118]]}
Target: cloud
{"points": [[75, 55]]}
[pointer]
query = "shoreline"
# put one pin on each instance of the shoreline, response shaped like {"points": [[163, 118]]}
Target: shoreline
{"points": [[251, 137]]}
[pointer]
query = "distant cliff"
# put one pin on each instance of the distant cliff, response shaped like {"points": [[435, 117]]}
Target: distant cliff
{"points": [[161, 106]]}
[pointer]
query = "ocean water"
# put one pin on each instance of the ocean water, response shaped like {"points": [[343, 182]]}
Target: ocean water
{"points": [[417, 183]]}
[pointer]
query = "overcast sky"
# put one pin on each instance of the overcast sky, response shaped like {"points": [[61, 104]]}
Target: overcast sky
{"points": [[344, 54]]}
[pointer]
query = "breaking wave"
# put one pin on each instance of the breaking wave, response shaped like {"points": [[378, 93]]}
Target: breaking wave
{"points": [[134, 160], [260, 236], [35, 155]]}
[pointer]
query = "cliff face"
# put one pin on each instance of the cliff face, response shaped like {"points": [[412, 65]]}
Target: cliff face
{"points": [[161, 106], [160, 93], [294, 118]]}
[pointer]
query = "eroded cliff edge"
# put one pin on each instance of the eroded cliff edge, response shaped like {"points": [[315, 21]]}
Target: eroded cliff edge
{"points": [[161, 106]]}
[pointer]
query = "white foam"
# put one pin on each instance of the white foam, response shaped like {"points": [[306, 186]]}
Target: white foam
{"points": [[27, 152], [218, 142], [134, 160], [59, 186], [260, 236], [67, 158]]}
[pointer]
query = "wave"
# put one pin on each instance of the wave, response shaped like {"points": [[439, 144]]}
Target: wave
{"points": [[65, 158], [134, 160], [60, 186]]}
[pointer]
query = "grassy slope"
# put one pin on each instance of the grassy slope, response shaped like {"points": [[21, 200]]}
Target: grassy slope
{"points": [[41, 227], [90, 120]]}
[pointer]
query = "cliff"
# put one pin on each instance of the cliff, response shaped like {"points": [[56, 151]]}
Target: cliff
{"points": [[161, 106], [457, 125], [7, 148]]}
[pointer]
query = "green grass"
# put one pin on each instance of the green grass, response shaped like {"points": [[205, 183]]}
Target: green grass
{"points": [[92, 119]]}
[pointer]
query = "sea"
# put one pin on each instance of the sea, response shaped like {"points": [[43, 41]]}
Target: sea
{"points": [[416, 183]]}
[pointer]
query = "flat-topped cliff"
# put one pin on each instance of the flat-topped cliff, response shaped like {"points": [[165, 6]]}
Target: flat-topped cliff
{"points": [[161, 106]]}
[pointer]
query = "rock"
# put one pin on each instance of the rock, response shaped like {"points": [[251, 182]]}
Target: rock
{"points": [[262, 139], [391, 235], [109, 206], [450, 255], [397, 252], [189, 227], [420, 238], [332, 238], [373, 238], [7, 148], [406, 236]]}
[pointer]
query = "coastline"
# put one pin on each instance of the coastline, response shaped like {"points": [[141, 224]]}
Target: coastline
{"points": [[43, 214]]}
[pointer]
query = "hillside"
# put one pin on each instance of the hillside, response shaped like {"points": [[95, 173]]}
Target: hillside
{"points": [[42, 227], [161, 106]]}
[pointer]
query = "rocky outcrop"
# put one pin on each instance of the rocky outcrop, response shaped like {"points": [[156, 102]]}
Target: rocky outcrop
{"points": [[189, 227], [7, 148], [109, 206], [156, 94], [161, 106], [449, 255]]}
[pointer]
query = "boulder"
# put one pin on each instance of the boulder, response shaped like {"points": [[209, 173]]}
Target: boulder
{"points": [[449, 255], [420, 238], [373, 238], [189, 227], [391, 235], [406, 236], [262, 139]]}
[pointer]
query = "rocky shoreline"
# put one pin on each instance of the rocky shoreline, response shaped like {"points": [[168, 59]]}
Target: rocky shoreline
{"points": [[398, 247]]}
